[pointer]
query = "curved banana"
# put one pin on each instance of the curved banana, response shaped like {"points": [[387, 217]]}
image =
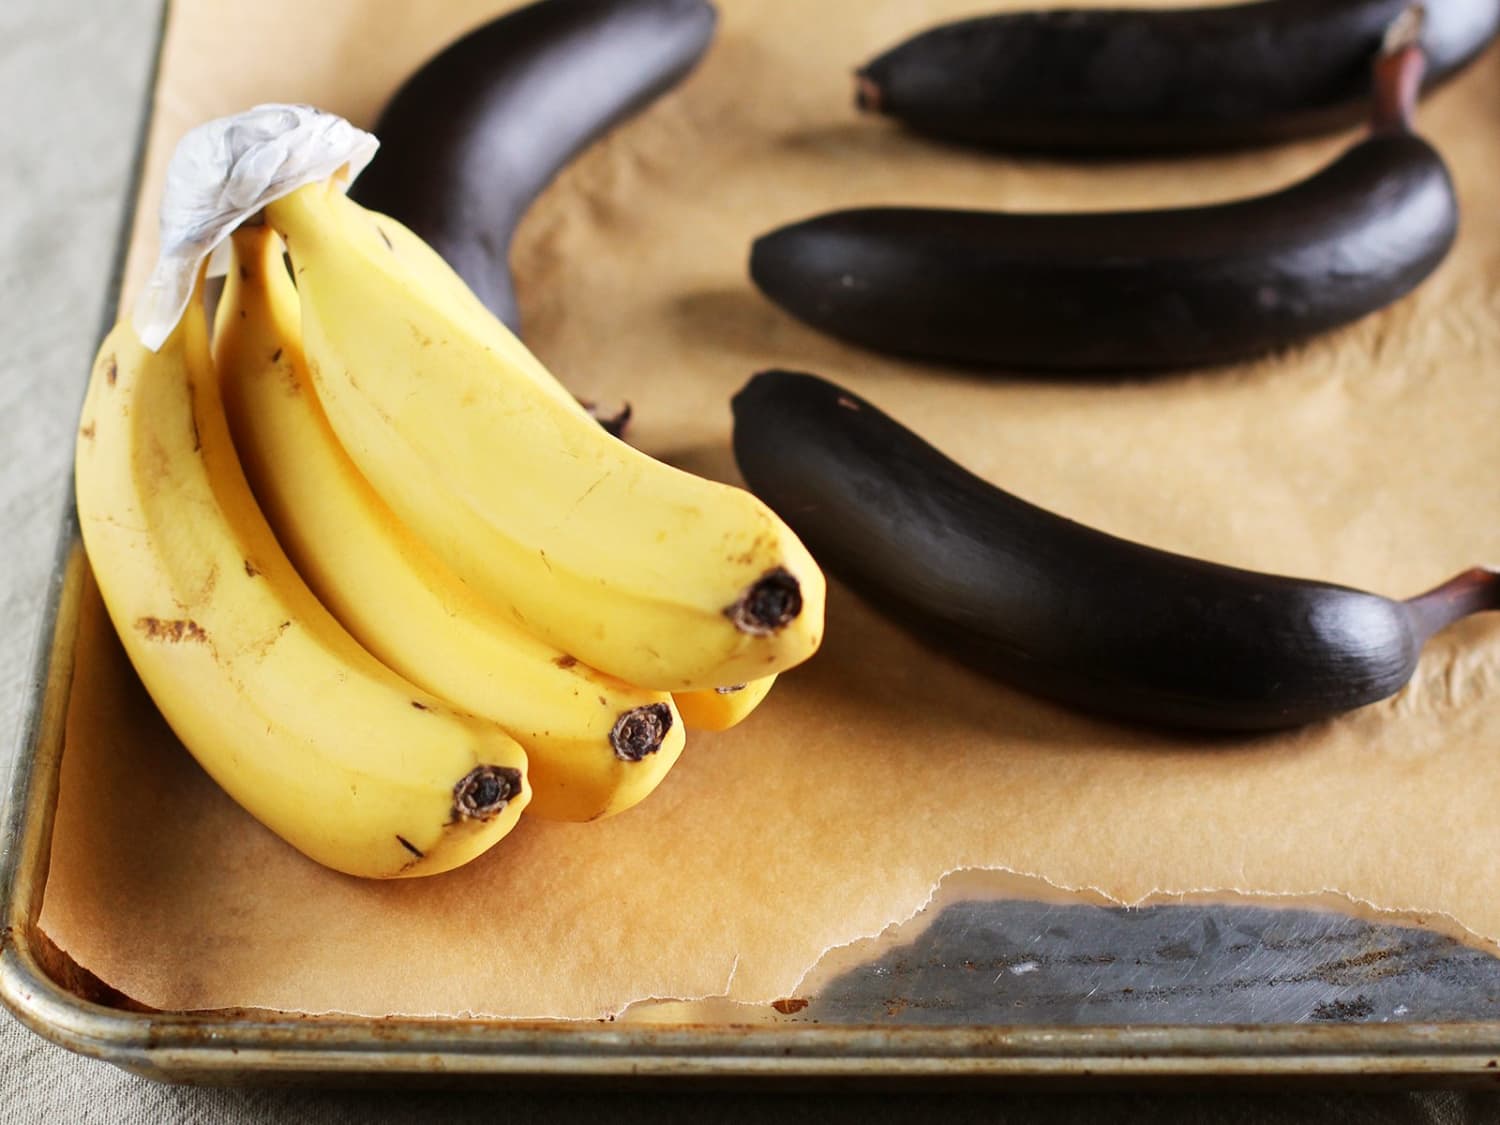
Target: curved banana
{"points": [[428, 270], [722, 707], [596, 745], [331, 750], [654, 575]]}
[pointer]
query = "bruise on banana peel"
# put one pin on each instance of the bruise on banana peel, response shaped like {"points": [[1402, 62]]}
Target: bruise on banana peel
{"points": [[1061, 610]]}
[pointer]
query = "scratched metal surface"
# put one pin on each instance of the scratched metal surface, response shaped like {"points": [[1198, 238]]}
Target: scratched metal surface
{"points": [[1032, 963]]}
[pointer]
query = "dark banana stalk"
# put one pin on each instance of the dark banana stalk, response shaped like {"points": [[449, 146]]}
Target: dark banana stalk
{"points": [[471, 139], [1133, 80], [1058, 609], [1131, 290]]}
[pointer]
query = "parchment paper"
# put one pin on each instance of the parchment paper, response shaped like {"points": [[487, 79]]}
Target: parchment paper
{"points": [[1368, 457]]}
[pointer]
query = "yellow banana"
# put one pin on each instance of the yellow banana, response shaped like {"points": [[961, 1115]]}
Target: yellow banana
{"points": [[331, 750], [595, 745], [722, 707], [427, 270], [659, 577]]}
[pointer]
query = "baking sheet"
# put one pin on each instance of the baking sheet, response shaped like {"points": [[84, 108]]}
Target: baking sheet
{"points": [[1367, 457]]}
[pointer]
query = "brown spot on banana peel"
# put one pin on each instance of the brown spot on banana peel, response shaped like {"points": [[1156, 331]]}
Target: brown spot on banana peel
{"points": [[730, 689], [419, 705], [193, 417], [251, 570], [111, 370], [767, 605], [750, 553], [171, 630], [483, 792], [86, 431], [409, 846], [565, 660], [639, 732]]}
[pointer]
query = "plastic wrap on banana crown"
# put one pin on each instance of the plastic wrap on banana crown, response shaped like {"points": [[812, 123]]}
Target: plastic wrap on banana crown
{"points": [[222, 173]]}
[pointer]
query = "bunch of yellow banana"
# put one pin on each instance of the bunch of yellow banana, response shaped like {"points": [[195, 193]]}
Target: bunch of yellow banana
{"points": [[388, 581]]}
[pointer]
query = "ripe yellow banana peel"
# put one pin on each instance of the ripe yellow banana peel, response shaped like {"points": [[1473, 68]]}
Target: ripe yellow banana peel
{"points": [[648, 573], [472, 556], [359, 769], [596, 745]]}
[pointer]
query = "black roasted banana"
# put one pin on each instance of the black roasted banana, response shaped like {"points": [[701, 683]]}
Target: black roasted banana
{"points": [[1133, 290], [1061, 610], [1133, 80], [470, 140]]}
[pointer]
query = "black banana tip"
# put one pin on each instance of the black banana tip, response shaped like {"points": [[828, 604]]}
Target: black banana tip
{"points": [[769, 604], [484, 792], [774, 258], [763, 384], [760, 255], [640, 732]]}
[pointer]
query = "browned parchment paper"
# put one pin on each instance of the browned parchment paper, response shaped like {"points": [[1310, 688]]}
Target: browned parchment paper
{"points": [[1368, 457]]}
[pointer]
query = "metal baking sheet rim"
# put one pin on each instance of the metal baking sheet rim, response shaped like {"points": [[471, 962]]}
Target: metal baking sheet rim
{"points": [[241, 1047], [262, 1046]]}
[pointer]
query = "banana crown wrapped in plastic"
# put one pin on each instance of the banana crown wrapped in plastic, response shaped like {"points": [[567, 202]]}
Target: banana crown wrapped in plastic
{"points": [[223, 172]]}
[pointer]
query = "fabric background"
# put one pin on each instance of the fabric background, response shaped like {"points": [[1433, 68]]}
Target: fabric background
{"points": [[74, 74]]}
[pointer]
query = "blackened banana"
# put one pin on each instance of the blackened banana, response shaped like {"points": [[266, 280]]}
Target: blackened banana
{"points": [[1134, 290], [1117, 80], [1060, 610], [474, 136]]}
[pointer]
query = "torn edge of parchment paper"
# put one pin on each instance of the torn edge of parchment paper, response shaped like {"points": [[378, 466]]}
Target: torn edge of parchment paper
{"points": [[967, 884]]}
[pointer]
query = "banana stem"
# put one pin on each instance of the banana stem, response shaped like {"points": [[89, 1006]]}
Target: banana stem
{"points": [[1399, 69], [1474, 591]]}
